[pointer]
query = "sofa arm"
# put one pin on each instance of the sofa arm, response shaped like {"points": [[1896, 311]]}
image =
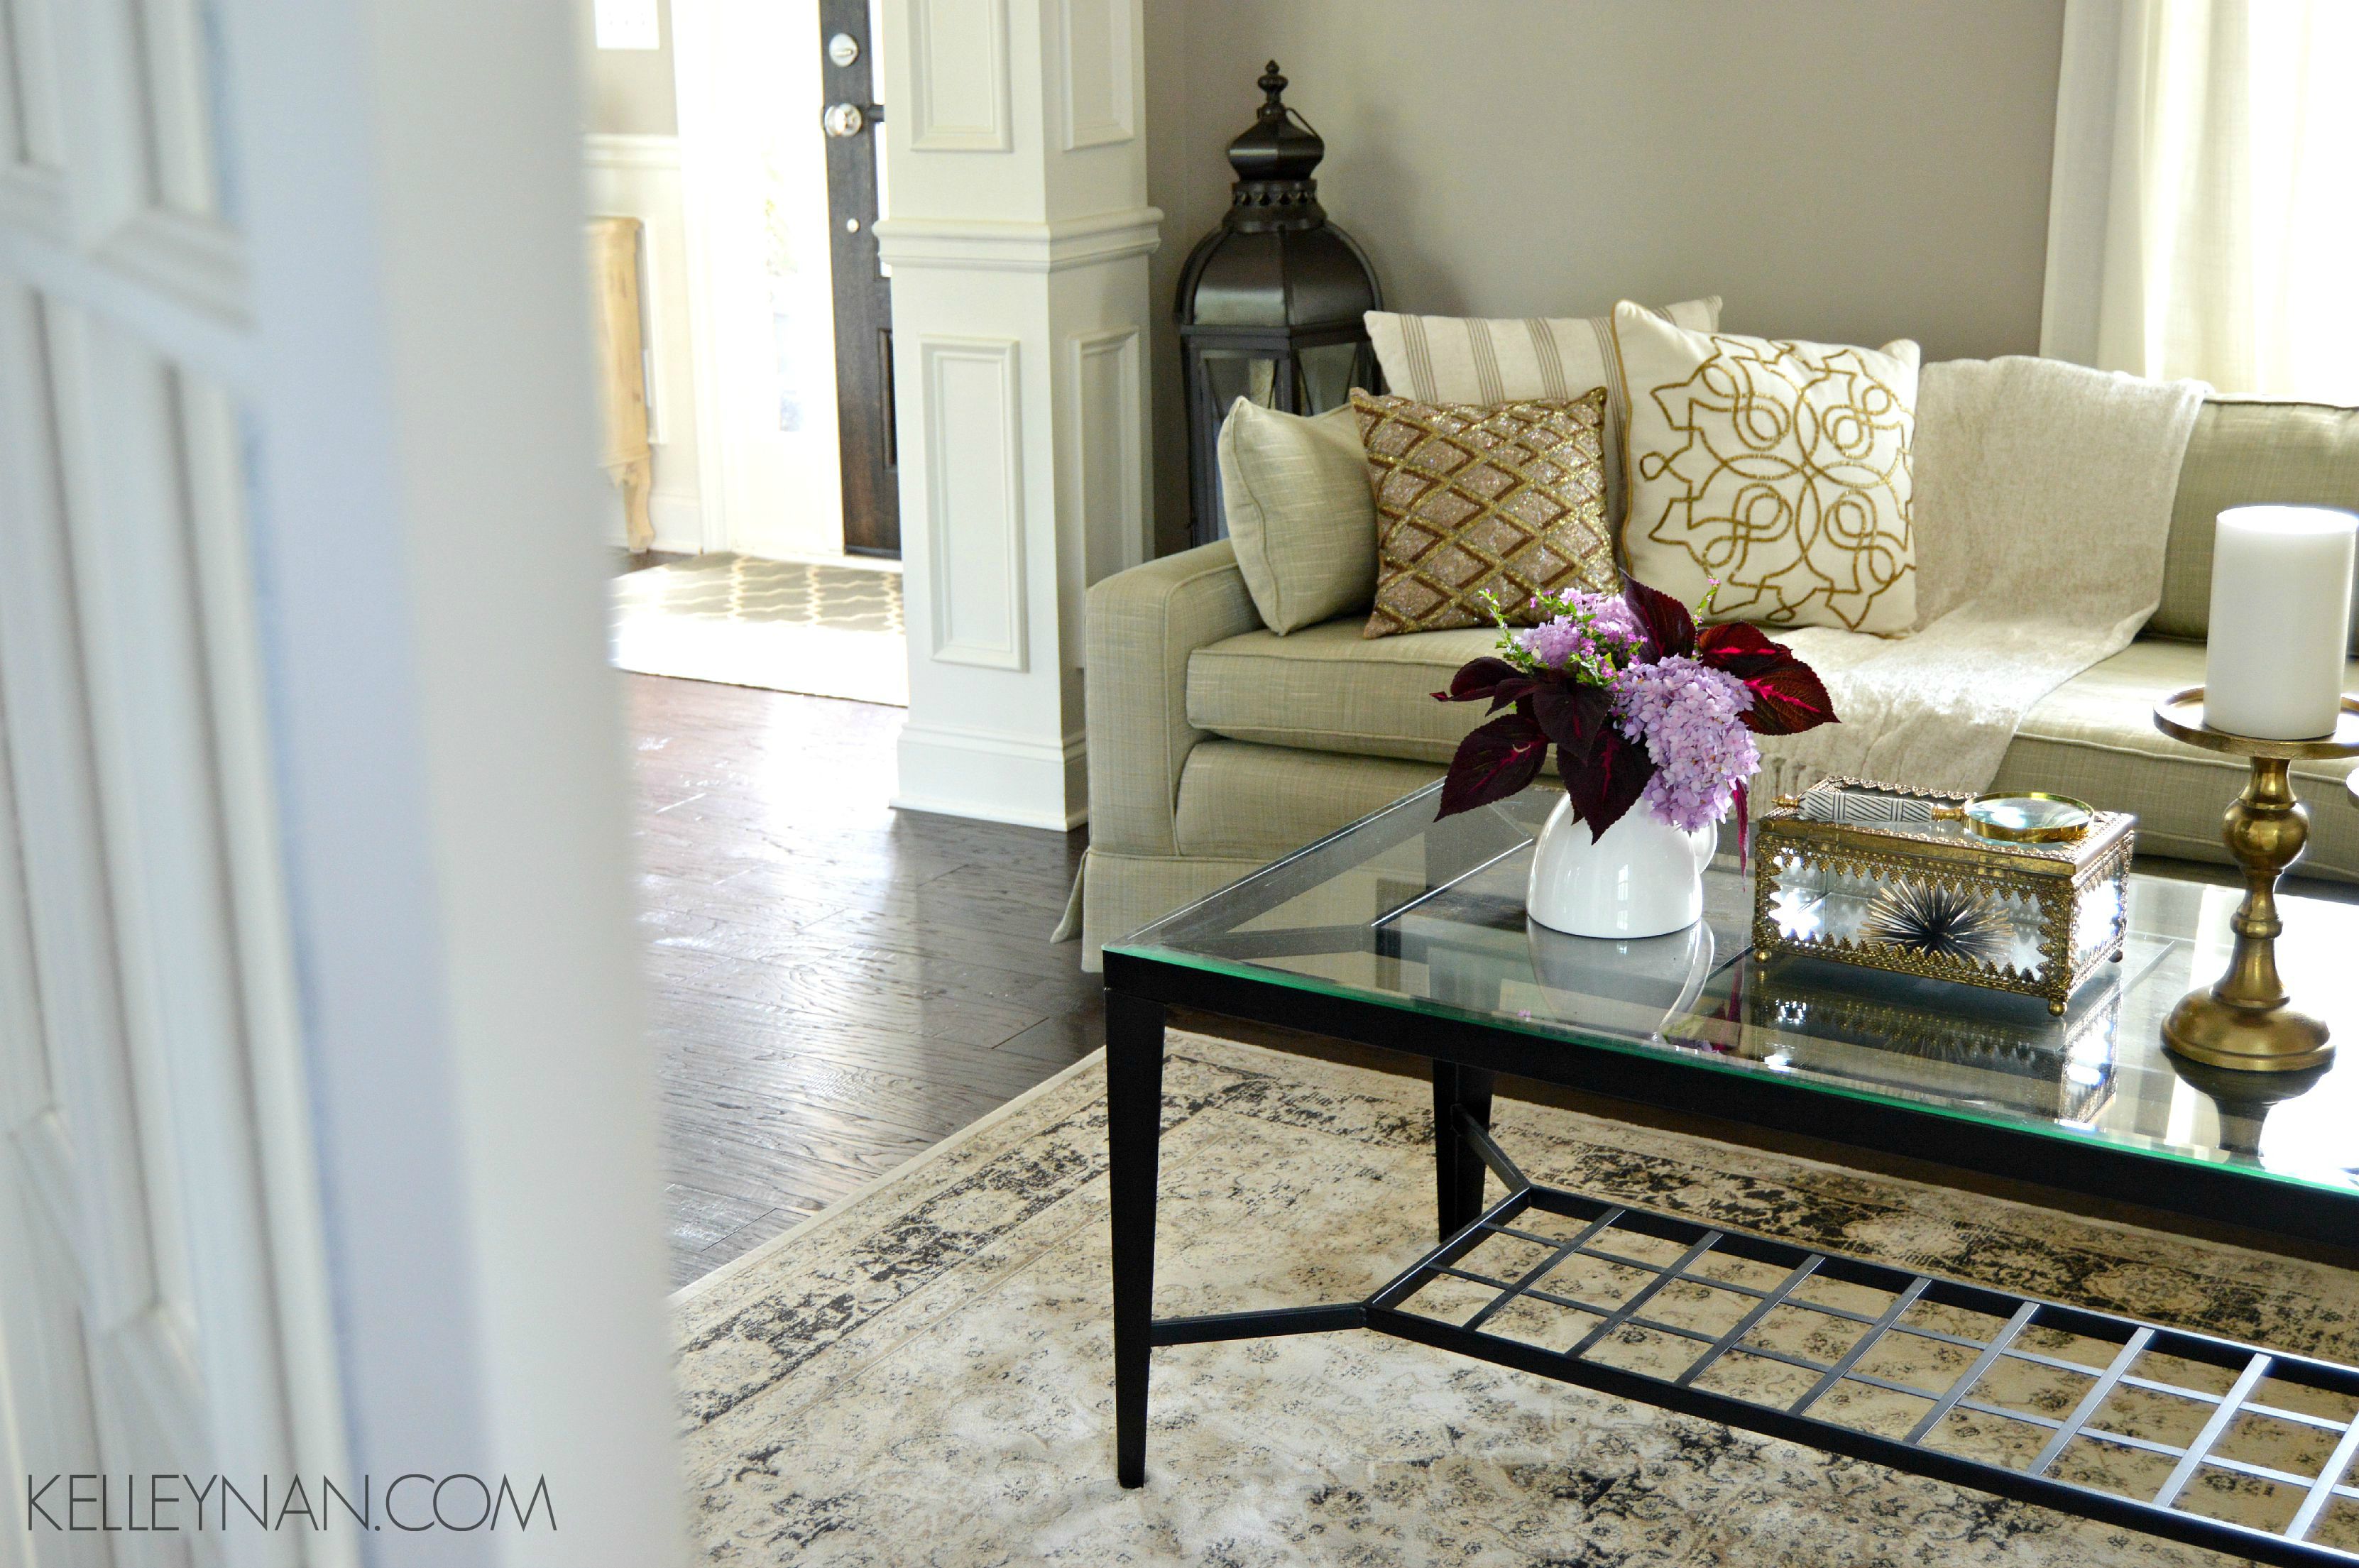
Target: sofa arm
{"points": [[1143, 624]]}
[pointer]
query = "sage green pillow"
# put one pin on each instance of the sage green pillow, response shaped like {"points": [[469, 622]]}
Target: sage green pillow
{"points": [[1299, 513]]}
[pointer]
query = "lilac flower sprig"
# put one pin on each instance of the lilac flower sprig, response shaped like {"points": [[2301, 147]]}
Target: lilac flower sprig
{"points": [[1588, 636]]}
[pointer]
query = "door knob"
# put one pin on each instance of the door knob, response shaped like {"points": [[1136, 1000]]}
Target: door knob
{"points": [[851, 119]]}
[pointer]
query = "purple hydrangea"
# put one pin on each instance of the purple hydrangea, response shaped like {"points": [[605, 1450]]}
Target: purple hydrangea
{"points": [[1687, 713]]}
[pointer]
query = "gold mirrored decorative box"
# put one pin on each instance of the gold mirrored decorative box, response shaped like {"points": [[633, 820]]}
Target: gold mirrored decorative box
{"points": [[1896, 1032], [1930, 896]]}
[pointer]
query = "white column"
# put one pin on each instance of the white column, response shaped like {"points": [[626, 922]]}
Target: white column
{"points": [[1018, 237]]}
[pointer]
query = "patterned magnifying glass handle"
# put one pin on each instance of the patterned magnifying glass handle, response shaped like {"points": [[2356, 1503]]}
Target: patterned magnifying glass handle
{"points": [[1851, 806]]}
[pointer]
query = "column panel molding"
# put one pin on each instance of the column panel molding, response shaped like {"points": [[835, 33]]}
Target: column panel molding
{"points": [[1094, 46], [1105, 386], [958, 61], [975, 512]]}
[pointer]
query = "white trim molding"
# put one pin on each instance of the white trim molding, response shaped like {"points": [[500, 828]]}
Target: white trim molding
{"points": [[957, 62], [1105, 380], [993, 777], [1095, 46], [619, 150], [974, 495], [988, 245]]}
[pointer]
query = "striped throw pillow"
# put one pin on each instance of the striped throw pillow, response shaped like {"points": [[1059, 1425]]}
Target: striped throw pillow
{"points": [[1474, 359]]}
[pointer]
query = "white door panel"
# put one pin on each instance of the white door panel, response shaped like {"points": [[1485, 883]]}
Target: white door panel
{"points": [[180, 1292]]}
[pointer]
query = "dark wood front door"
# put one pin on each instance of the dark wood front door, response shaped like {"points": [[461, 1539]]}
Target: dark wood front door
{"points": [[864, 298]]}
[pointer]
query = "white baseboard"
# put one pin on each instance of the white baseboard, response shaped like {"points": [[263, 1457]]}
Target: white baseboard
{"points": [[678, 521], [994, 778], [641, 151]]}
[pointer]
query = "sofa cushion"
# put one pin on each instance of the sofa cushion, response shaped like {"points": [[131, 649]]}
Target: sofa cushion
{"points": [[1325, 689], [2243, 453], [1257, 802]]}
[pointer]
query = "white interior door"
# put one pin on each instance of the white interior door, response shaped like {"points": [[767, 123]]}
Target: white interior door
{"points": [[156, 1157], [324, 1148], [755, 173]]}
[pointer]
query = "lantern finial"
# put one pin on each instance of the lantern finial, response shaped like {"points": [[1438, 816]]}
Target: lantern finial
{"points": [[1274, 158], [1272, 84]]}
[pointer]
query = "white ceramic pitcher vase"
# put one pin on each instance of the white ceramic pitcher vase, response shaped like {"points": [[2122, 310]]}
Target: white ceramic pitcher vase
{"points": [[1640, 878]]}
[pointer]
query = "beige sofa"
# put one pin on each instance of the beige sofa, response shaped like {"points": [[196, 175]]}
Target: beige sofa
{"points": [[1216, 746]]}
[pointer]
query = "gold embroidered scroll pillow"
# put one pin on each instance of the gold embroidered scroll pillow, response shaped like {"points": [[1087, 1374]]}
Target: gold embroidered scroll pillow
{"points": [[1508, 499], [1779, 470]]}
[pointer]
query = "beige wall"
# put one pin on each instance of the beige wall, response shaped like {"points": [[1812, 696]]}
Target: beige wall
{"points": [[629, 91], [1850, 170]]}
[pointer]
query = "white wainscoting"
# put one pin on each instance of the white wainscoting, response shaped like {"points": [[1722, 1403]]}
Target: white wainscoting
{"points": [[1093, 38], [975, 521], [958, 66], [638, 177], [1109, 454]]}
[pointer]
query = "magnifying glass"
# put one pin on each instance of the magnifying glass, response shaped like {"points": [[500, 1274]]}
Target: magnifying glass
{"points": [[2030, 817], [2027, 816]]}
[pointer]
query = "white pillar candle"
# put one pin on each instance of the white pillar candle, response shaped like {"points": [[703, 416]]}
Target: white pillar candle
{"points": [[2280, 621]]}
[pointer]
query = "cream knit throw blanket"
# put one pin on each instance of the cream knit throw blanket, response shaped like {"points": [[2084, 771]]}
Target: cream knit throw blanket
{"points": [[2043, 497]]}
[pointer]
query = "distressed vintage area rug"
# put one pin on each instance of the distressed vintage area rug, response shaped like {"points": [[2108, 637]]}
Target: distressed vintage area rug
{"points": [[922, 1375]]}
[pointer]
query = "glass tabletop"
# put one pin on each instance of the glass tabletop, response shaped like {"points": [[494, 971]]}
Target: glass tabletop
{"points": [[1403, 911]]}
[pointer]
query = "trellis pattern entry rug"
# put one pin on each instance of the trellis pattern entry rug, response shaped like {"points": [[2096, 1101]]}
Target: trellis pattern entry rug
{"points": [[826, 630], [923, 1374]]}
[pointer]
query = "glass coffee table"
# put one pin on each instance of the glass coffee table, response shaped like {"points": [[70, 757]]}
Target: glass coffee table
{"points": [[1409, 934]]}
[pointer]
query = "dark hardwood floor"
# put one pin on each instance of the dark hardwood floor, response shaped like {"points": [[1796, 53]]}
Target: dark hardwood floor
{"points": [[835, 986]]}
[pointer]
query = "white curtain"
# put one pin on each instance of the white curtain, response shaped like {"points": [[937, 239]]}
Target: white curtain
{"points": [[2203, 219]]}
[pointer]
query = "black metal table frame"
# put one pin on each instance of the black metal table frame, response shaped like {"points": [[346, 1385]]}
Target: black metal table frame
{"points": [[1467, 1056]]}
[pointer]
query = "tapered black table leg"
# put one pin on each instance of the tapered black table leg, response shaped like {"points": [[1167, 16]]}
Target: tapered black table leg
{"points": [[1457, 1169], [1134, 1122]]}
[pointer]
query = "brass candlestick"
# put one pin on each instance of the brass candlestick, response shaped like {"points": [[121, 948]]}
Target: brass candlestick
{"points": [[2242, 1021]]}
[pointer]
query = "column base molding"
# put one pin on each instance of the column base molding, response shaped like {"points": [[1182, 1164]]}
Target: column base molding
{"points": [[994, 778]]}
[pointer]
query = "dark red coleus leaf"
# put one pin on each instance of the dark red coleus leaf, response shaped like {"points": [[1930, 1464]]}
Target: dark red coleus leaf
{"points": [[1669, 629], [1787, 695], [1487, 677], [1493, 762], [1608, 784], [1573, 713]]}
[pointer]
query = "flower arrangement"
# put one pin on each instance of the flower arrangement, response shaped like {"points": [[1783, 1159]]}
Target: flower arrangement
{"points": [[1640, 704]]}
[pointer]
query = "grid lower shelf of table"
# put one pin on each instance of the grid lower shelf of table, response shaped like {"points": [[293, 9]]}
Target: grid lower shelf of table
{"points": [[2172, 1433]]}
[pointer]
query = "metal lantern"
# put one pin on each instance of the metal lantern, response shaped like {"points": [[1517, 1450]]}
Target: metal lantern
{"points": [[1270, 302]]}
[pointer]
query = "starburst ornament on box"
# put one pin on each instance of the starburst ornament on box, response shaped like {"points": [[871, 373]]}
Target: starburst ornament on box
{"points": [[1937, 921]]}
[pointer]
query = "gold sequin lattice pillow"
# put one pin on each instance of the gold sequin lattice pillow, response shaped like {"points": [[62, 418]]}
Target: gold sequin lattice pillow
{"points": [[1508, 499]]}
